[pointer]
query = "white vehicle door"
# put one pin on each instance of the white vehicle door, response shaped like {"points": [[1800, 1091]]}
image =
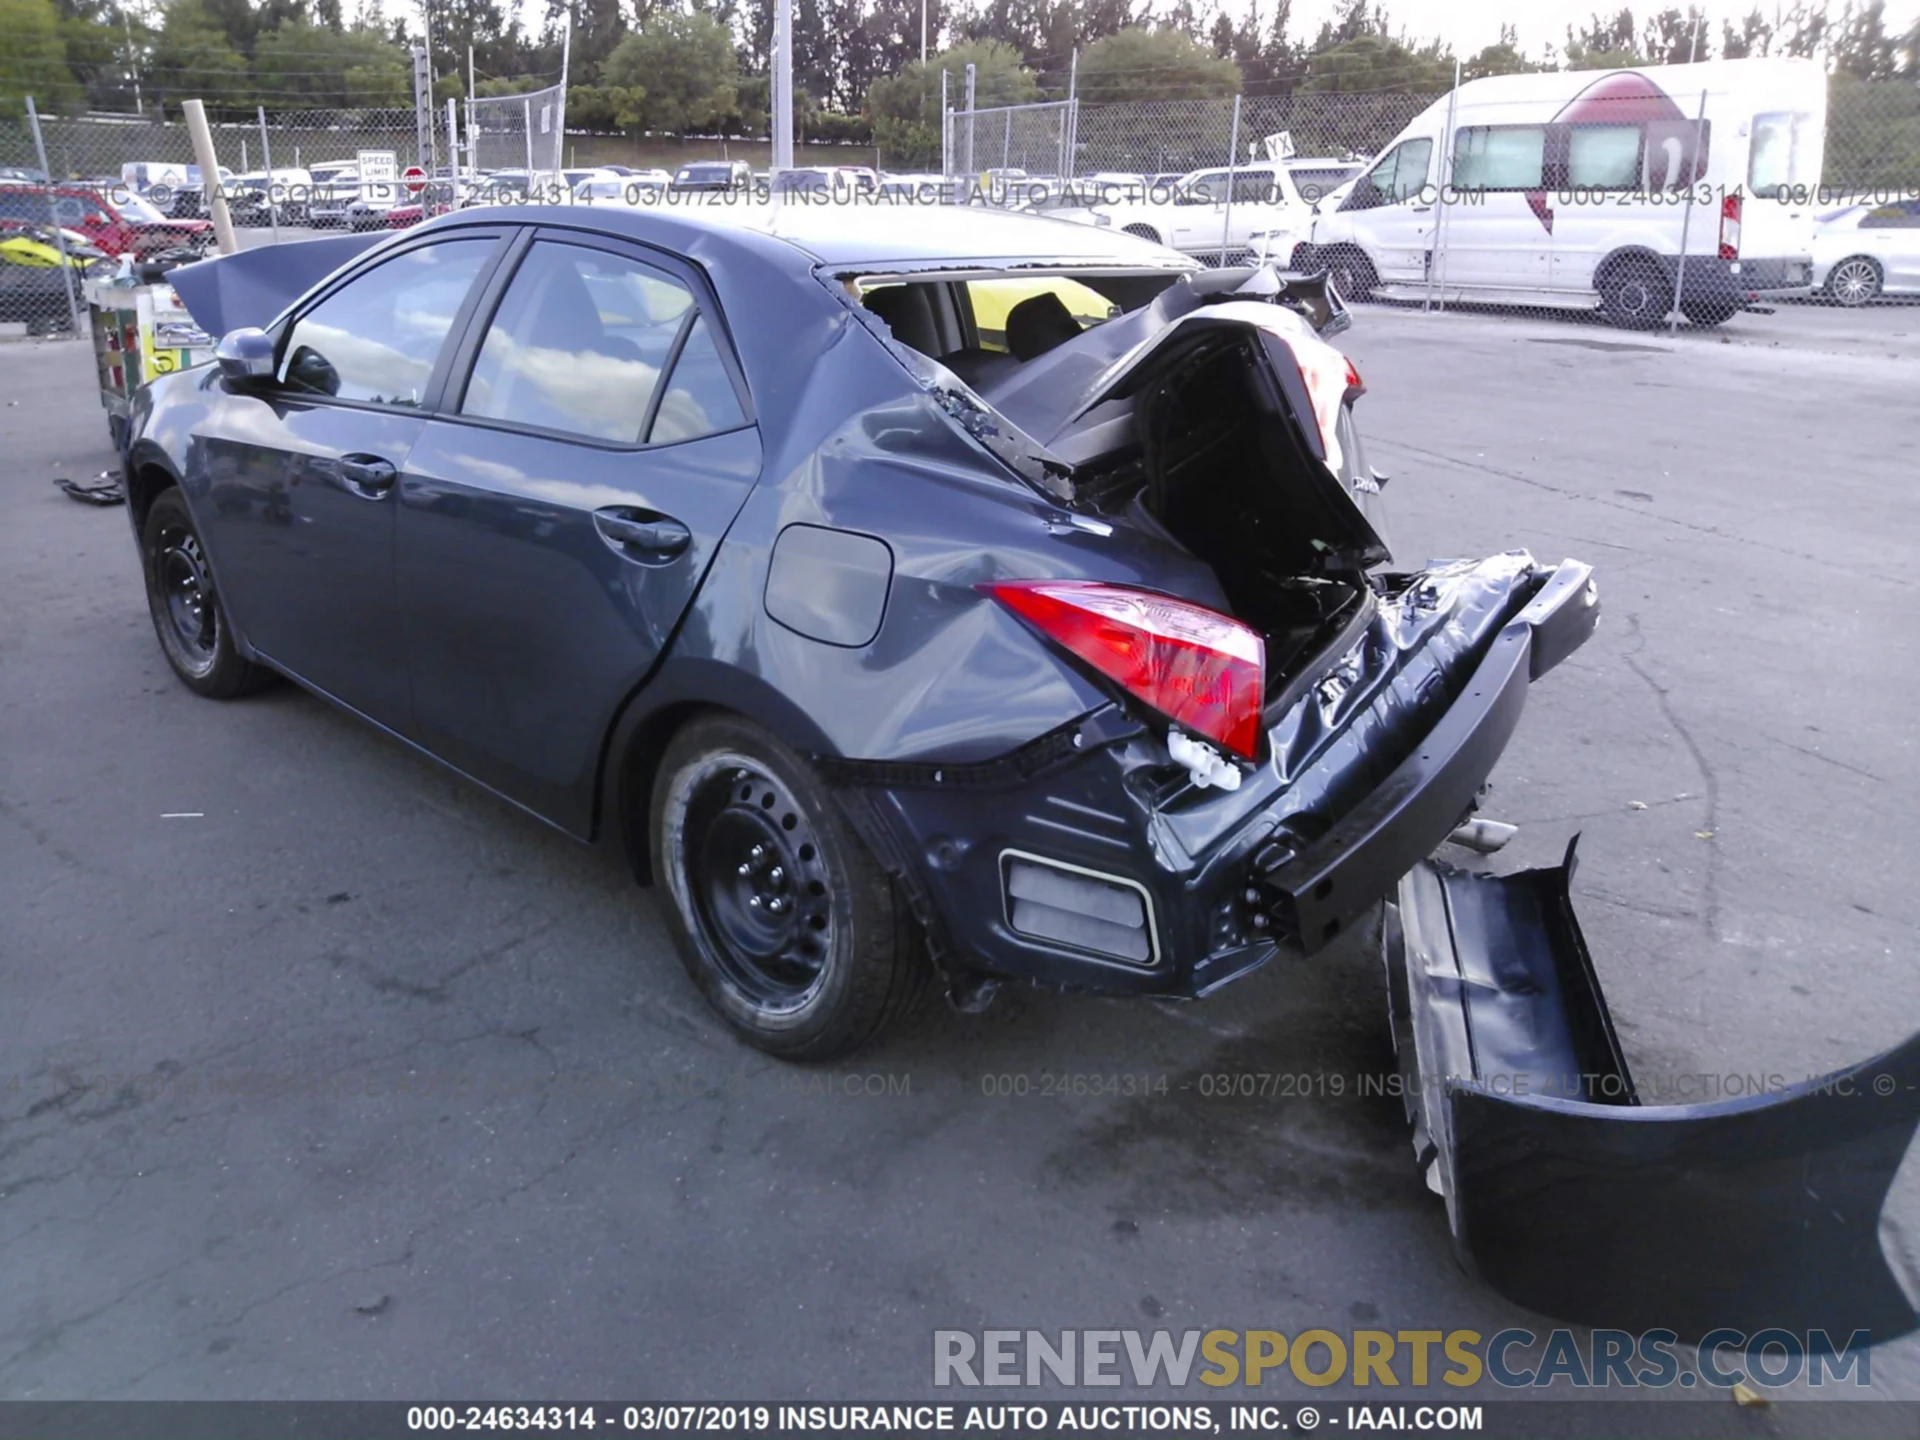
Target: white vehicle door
{"points": [[1891, 234], [1389, 213], [1498, 233], [1194, 222], [1263, 200]]}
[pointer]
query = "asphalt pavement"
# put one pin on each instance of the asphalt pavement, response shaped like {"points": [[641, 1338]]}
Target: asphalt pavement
{"points": [[323, 1074]]}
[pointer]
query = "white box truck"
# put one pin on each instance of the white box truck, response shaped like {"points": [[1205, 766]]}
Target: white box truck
{"points": [[1584, 189]]}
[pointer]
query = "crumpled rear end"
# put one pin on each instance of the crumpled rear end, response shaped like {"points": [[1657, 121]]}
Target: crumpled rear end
{"points": [[1569, 1196]]}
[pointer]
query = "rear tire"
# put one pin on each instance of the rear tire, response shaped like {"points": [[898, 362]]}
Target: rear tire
{"points": [[1855, 281], [188, 616], [1635, 295], [783, 918], [1705, 314]]}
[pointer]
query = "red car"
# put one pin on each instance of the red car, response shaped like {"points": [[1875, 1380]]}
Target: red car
{"points": [[123, 224]]}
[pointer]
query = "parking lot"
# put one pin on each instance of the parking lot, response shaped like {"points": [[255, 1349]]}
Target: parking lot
{"points": [[327, 1075]]}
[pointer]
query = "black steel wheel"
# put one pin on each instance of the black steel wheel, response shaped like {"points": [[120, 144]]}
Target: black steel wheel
{"points": [[194, 632], [783, 918]]}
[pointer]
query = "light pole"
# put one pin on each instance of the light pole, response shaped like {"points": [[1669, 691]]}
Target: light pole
{"points": [[782, 86]]}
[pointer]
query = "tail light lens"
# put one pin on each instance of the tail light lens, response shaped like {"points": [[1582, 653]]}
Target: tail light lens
{"points": [[1730, 228], [1331, 381], [1204, 671]]}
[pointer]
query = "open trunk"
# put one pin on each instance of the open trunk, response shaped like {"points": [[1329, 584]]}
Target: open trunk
{"points": [[1211, 436]]}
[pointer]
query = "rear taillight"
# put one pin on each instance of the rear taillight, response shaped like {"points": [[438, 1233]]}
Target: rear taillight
{"points": [[1730, 227], [1331, 381], [1203, 670]]}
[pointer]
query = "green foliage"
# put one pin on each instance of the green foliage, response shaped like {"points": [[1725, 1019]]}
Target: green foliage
{"points": [[194, 58], [299, 64], [1370, 63], [903, 110], [684, 67], [1163, 64], [35, 59]]}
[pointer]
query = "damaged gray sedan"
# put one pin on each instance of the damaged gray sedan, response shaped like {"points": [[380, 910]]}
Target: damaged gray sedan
{"points": [[963, 597]]}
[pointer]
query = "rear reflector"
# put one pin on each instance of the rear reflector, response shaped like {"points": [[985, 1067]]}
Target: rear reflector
{"points": [[1202, 670], [1052, 901], [1730, 227]]}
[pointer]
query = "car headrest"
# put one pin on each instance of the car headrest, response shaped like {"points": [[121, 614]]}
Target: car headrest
{"points": [[908, 313], [1039, 323]]}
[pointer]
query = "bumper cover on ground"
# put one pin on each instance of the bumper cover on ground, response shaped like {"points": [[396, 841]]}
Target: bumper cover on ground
{"points": [[1568, 1195]]}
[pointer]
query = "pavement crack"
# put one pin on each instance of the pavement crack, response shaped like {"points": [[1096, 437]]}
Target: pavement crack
{"points": [[1710, 900]]}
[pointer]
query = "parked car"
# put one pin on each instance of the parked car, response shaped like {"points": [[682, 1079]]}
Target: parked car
{"points": [[1862, 252], [185, 199], [127, 226], [688, 532], [712, 177], [1194, 214], [1571, 189], [260, 198], [334, 191], [861, 680]]}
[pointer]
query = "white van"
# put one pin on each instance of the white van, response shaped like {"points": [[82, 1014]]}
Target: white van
{"points": [[1577, 189]]}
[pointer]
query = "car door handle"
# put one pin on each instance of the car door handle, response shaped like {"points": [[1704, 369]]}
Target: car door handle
{"points": [[368, 475], [642, 533]]}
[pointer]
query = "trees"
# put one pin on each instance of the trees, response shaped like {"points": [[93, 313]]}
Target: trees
{"points": [[905, 108], [1375, 63], [678, 71], [1162, 64], [36, 58], [193, 57]]}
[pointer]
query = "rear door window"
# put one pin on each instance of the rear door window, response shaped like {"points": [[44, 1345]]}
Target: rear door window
{"points": [[580, 342], [378, 337], [1500, 157], [1782, 157], [1604, 157]]}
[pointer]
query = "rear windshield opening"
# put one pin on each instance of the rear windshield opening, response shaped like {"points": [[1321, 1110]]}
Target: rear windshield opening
{"points": [[984, 328]]}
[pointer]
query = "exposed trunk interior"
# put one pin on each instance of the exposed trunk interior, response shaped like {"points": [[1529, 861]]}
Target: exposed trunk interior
{"points": [[1212, 460]]}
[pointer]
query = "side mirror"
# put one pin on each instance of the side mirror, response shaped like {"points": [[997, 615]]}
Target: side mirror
{"points": [[245, 355]]}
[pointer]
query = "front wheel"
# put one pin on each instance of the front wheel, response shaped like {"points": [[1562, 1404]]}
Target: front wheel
{"points": [[1854, 281], [781, 915], [1352, 273], [192, 624]]}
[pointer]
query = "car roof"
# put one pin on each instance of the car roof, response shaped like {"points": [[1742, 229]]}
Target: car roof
{"points": [[872, 237]]}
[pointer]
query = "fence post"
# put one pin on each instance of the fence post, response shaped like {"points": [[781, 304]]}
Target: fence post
{"points": [[1071, 121], [946, 128], [968, 167], [59, 233], [453, 153], [266, 158], [1233, 159], [1437, 266], [1006, 144], [526, 107], [1686, 219], [422, 108]]}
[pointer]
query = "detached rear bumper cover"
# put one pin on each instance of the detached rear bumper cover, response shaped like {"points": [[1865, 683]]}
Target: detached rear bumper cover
{"points": [[1567, 1195]]}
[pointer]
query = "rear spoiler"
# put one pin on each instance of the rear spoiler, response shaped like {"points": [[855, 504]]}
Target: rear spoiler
{"points": [[1569, 1196], [249, 289]]}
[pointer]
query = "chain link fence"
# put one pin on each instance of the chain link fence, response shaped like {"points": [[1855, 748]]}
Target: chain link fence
{"points": [[128, 183], [518, 132]]}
